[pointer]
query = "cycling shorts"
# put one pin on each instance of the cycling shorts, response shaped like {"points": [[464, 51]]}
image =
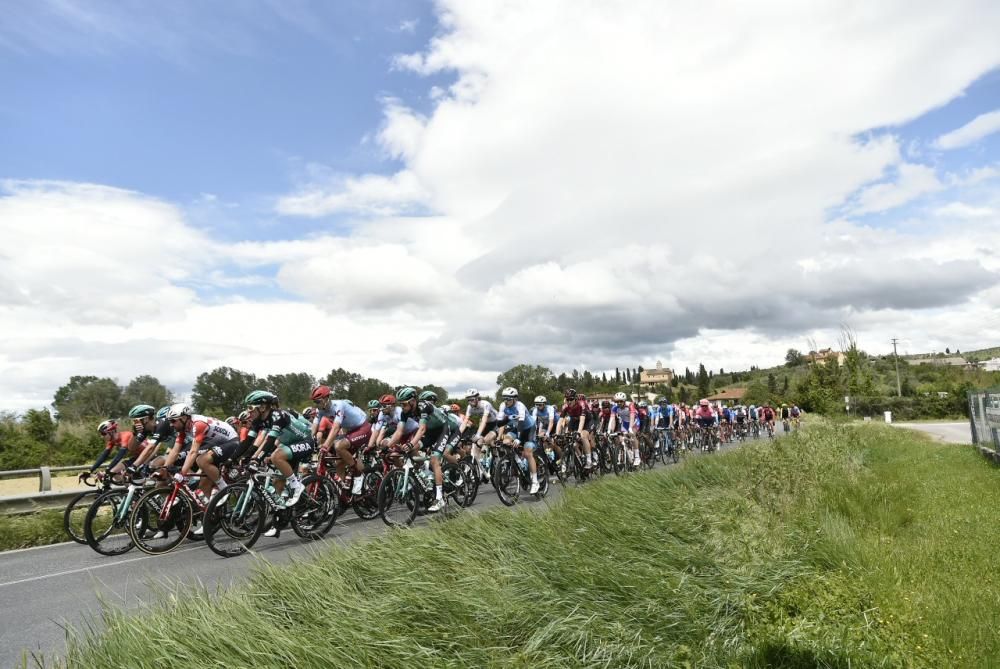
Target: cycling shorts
{"points": [[359, 437], [299, 452], [225, 452]]}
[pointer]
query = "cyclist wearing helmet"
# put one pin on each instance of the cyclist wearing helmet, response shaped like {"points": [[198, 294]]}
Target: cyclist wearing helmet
{"points": [[159, 431], [113, 439], [624, 419], [428, 437], [207, 434], [544, 416], [351, 431], [287, 440], [374, 410], [704, 415], [603, 420], [575, 415], [518, 423], [486, 433]]}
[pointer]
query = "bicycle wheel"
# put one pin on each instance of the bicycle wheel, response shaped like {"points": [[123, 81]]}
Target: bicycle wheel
{"points": [[105, 528], [150, 518], [454, 484], [76, 512], [542, 471], [234, 520], [507, 480], [472, 477], [318, 507], [366, 504], [398, 498]]}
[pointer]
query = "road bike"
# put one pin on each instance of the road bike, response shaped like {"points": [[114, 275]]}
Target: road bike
{"points": [[76, 511], [410, 489], [512, 473], [105, 524]]}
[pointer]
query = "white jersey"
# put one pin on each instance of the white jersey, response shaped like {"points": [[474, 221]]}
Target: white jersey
{"points": [[205, 432], [483, 408]]}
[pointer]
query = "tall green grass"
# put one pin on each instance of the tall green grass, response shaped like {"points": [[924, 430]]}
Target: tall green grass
{"points": [[33, 529], [841, 546]]}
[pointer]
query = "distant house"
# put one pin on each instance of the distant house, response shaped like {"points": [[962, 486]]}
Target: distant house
{"points": [[656, 377], [823, 355], [992, 365], [727, 395], [947, 361]]}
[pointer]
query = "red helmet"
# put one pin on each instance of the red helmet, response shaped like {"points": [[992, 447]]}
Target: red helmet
{"points": [[320, 392], [455, 408], [387, 399]]}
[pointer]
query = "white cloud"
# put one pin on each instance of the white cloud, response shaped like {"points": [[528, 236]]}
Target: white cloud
{"points": [[371, 194], [973, 131], [913, 181], [962, 210]]}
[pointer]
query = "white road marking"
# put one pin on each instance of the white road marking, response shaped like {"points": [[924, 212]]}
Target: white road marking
{"points": [[98, 566]]}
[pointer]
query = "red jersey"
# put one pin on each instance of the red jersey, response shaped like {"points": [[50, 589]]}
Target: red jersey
{"points": [[574, 409], [119, 439]]}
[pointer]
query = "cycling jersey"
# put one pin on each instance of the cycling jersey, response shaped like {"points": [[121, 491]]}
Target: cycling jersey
{"points": [[482, 408], [343, 413], [517, 416], [206, 433], [546, 418], [284, 428], [390, 421], [574, 409], [705, 416], [795, 412], [624, 414]]}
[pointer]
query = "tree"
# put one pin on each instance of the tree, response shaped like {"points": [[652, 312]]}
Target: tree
{"points": [[437, 390], [947, 350], [618, 376], [772, 384], [39, 425], [146, 389], [794, 358], [604, 378], [628, 376], [221, 391], [784, 386], [530, 381], [358, 389], [293, 389], [587, 383], [704, 387], [88, 397]]}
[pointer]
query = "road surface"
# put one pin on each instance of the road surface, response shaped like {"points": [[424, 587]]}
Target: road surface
{"points": [[953, 433]]}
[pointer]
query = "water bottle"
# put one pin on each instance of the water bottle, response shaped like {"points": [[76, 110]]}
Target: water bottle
{"points": [[522, 463]]}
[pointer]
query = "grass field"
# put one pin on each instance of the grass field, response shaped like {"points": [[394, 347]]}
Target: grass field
{"points": [[841, 546], [34, 529]]}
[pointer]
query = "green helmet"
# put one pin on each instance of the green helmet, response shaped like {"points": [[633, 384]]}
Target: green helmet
{"points": [[162, 412], [374, 404], [142, 411], [428, 395], [405, 394], [259, 397]]}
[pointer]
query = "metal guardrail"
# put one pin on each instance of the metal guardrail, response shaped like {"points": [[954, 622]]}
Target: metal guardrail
{"points": [[44, 474], [17, 504]]}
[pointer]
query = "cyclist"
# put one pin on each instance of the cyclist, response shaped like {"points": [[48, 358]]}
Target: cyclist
{"points": [[767, 417], [603, 418], [112, 439], [796, 416], [519, 423], [486, 433], [374, 411], [428, 435], [705, 416], [575, 409], [786, 415], [350, 431], [286, 440], [623, 414]]}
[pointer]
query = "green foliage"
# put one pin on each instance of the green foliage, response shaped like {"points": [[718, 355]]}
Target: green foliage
{"points": [[841, 546], [794, 358], [704, 389], [35, 440], [354, 387], [293, 390], [146, 389], [88, 397], [221, 391], [530, 381], [36, 529]]}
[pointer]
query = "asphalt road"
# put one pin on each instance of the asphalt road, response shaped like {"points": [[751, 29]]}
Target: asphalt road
{"points": [[45, 589], [952, 433]]}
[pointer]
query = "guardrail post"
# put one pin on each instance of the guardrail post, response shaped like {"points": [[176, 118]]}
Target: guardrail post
{"points": [[44, 479]]}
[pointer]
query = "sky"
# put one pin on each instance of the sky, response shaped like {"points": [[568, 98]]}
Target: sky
{"points": [[435, 192]]}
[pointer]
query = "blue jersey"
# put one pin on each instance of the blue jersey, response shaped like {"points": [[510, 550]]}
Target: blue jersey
{"points": [[517, 416], [546, 416]]}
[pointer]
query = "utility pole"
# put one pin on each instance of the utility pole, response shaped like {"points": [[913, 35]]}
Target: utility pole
{"points": [[899, 388]]}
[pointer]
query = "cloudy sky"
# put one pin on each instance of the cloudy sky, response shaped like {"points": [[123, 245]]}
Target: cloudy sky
{"points": [[433, 192]]}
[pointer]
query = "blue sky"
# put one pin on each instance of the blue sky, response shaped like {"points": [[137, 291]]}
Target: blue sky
{"points": [[435, 191], [189, 114]]}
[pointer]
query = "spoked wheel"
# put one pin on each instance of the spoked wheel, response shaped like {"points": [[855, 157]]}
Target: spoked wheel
{"points": [[366, 504], [646, 454], [507, 480], [157, 528], [76, 513], [104, 529], [398, 498], [234, 520], [455, 484], [313, 515], [471, 476]]}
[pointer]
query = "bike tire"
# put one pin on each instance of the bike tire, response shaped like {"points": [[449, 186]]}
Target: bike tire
{"points": [[398, 502], [103, 533], [542, 473], [232, 523], [507, 480], [145, 515], [317, 509], [365, 505], [76, 513]]}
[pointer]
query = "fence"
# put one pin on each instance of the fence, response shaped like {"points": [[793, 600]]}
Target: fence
{"points": [[984, 414], [44, 474]]}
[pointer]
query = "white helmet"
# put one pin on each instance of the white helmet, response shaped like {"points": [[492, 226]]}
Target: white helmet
{"points": [[509, 393], [470, 393], [620, 397], [541, 400], [178, 410]]}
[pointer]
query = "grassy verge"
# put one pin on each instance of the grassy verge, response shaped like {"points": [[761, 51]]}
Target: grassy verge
{"points": [[841, 546], [33, 529]]}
